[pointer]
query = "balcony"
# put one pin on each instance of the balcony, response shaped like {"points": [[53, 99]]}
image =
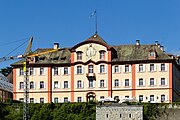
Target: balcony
{"points": [[90, 74]]}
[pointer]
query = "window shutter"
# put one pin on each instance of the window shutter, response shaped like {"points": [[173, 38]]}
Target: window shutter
{"points": [[130, 82], [44, 84], [144, 82], [119, 68], [130, 68], [82, 69], [53, 84], [87, 84], [148, 67], [137, 82], [38, 71], [82, 84], [166, 98], [94, 83], [137, 67], [76, 84], [105, 83], [52, 71], [69, 68], [59, 84], [113, 67], [149, 81], [166, 66], [154, 81], [154, 67], [34, 71], [59, 71], [106, 68], [123, 68], [159, 81], [75, 69], [144, 67], [155, 97], [44, 71], [34, 85], [166, 81], [62, 70], [69, 84], [159, 67]]}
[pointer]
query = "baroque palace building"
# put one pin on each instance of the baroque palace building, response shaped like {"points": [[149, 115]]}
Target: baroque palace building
{"points": [[94, 70]]}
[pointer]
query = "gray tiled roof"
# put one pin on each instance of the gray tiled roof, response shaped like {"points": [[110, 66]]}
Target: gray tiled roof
{"points": [[138, 52], [123, 53]]}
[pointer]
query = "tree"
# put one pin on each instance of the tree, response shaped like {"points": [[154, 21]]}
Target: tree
{"points": [[6, 71]]}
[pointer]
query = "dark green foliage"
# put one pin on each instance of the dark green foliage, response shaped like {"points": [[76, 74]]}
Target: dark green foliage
{"points": [[69, 111], [6, 71]]}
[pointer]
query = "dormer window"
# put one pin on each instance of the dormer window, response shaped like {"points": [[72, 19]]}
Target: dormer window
{"points": [[102, 55], [152, 54], [79, 55]]}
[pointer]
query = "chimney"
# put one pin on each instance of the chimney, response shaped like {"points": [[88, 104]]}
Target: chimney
{"points": [[162, 48], [137, 42], [156, 42], [56, 45]]}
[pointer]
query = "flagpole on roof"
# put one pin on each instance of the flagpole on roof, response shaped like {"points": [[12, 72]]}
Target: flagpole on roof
{"points": [[96, 21], [94, 14]]}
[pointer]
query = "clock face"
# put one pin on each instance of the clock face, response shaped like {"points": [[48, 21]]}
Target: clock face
{"points": [[91, 51]]}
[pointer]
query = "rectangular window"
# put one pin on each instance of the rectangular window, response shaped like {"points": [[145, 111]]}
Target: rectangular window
{"points": [[101, 97], [126, 82], [140, 98], [79, 84], [163, 67], [116, 69], [79, 99], [102, 68], [31, 100], [162, 98], [126, 68], [102, 55], [151, 67], [79, 69], [55, 84], [90, 69], [140, 82], [152, 81], [116, 82], [101, 83], [31, 71], [151, 97], [55, 70], [41, 71], [31, 85], [65, 84], [66, 71], [90, 83], [41, 100], [21, 72], [41, 84], [66, 99], [152, 53], [140, 68], [55, 100], [21, 99], [21, 85], [79, 55], [129, 115], [162, 81]]}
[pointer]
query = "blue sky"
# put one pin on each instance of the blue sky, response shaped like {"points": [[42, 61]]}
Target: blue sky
{"points": [[68, 22]]}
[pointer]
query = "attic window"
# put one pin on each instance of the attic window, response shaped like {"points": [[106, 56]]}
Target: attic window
{"points": [[63, 58], [55, 58], [152, 54], [41, 58]]}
